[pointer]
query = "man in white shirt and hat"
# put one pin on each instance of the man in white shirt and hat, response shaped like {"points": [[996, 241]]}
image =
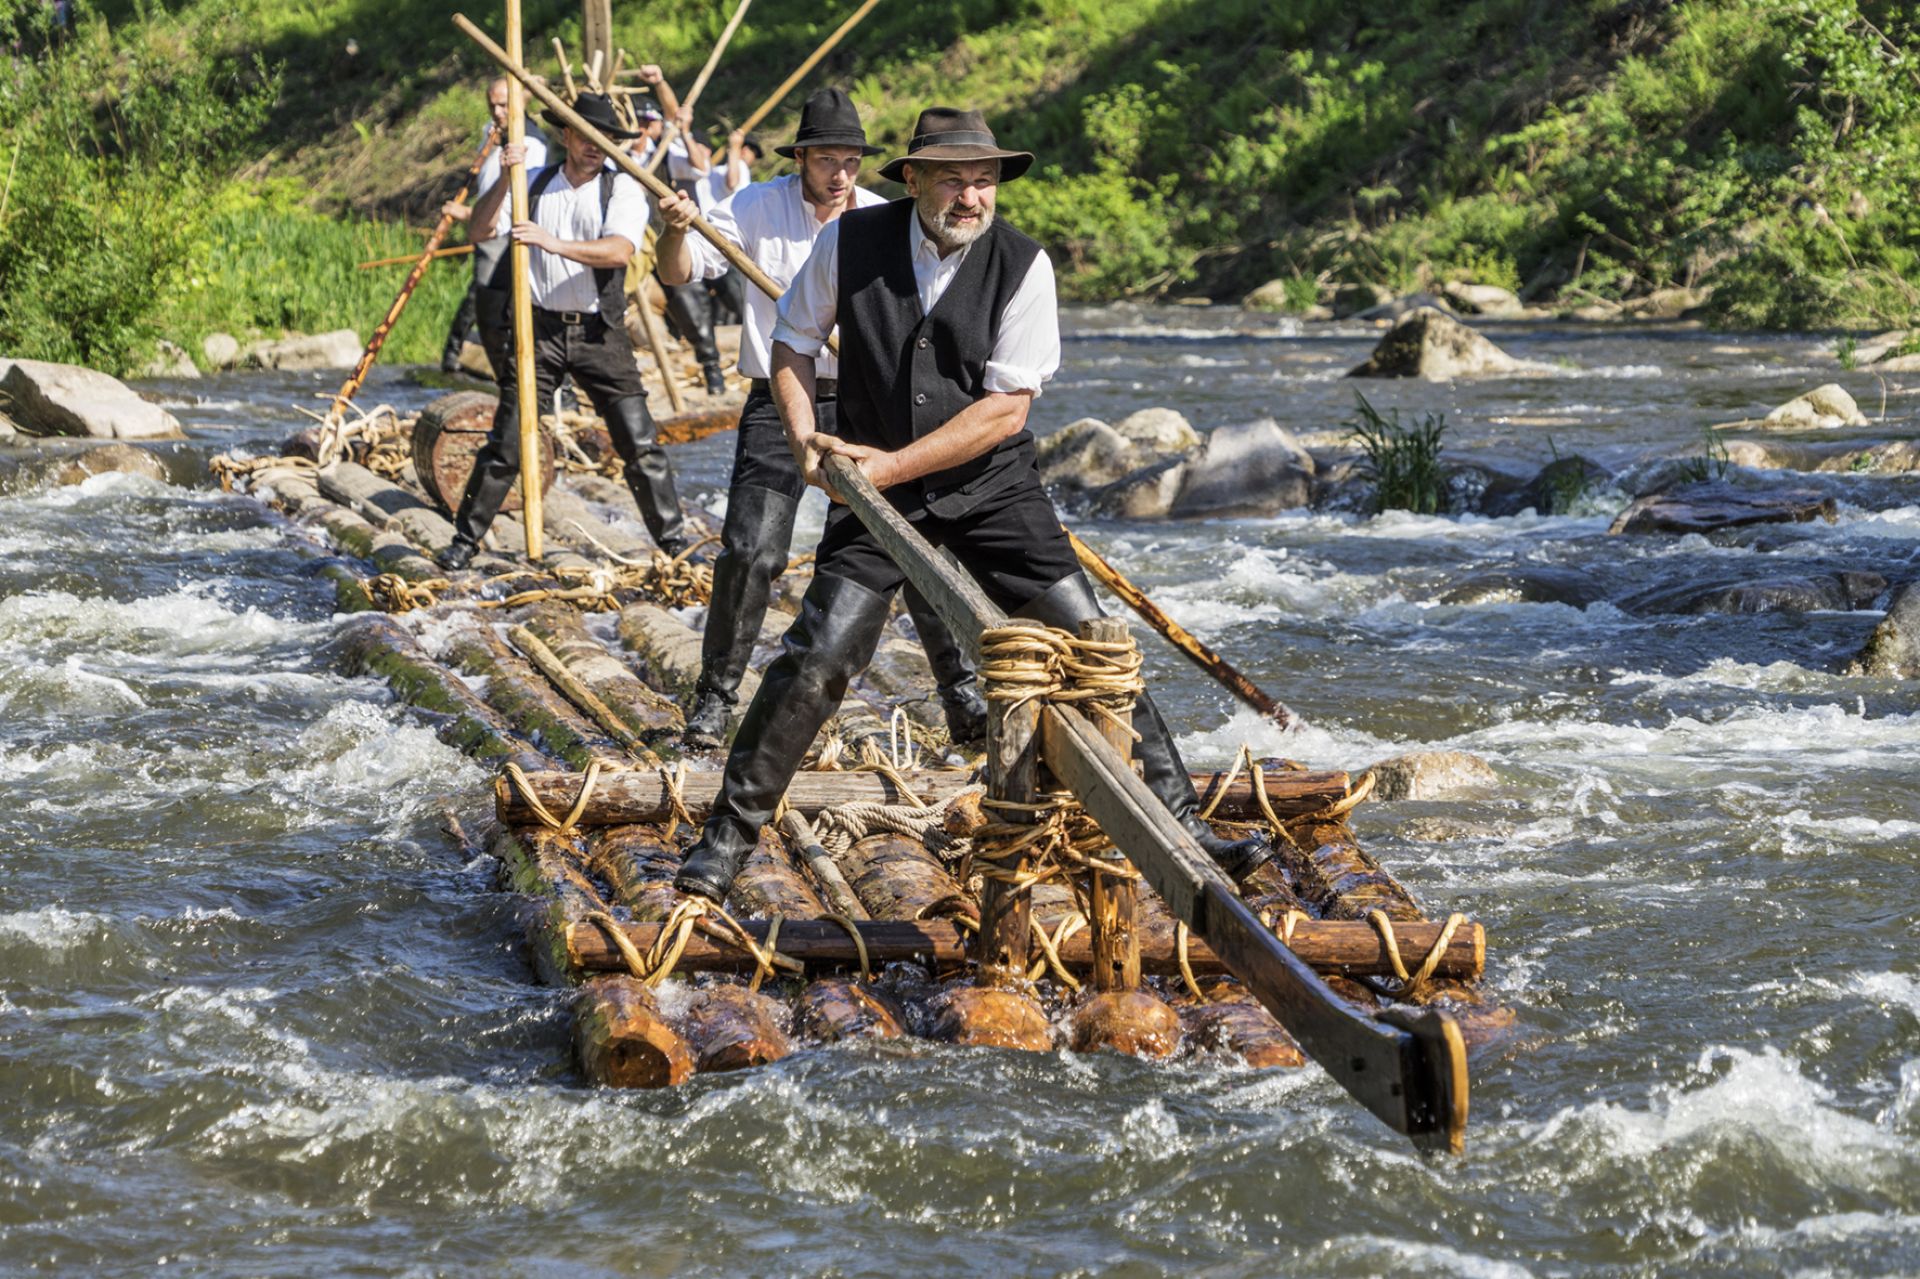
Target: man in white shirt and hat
{"points": [[777, 223], [585, 222]]}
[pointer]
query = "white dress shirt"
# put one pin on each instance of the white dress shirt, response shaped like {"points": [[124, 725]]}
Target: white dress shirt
{"points": [[573, 213], [1026, 354], [490, 170], [778, 229]]}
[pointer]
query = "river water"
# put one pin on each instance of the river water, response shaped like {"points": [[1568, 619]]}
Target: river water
{"points": [[261, 1015]]}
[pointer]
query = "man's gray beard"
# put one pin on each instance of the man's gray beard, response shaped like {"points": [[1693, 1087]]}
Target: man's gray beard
{"points": [[936, 217]]}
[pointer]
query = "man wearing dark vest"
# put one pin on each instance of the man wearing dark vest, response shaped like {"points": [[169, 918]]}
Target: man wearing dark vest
{"points": [[948, 330], [777, 223], [586, 221]]}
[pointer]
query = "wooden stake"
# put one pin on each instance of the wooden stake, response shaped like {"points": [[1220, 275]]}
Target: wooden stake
{"points": [[1013, 776], [1112, 898], [1198, 653], [657, 339], [566, 68], [813, 60], [596, 27], [524, 384]]}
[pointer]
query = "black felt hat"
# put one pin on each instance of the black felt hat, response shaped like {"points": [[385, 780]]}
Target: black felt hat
{"points": [[943, 133], [597, 110], [829, 119]]}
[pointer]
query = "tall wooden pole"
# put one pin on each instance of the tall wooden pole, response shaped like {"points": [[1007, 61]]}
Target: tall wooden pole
{"points": [[1111, 899], [813, 60], [596, 32], [671, 128], [523, 375], [1006, 912]]}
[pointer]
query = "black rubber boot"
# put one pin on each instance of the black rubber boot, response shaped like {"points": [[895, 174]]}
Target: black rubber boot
{"points": [[753, 549], [1065, 605], [495, 468], [831, 641], [463, 318], [649, 473], [457, 555], [953, 675], [716, 380]]}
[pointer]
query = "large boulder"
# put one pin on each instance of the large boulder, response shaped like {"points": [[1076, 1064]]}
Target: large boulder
{"points": [[1526, 584], [1256, 469], [1894, 647], [1401, 307], [1702, 508], [1822, 408], [1271, 296], [1805, 593], [1089, 454], [1555, 490], [1431, 775], [1437, 347], [170, 360], [339, 349], [1483, 299], [124, 458], [65, 399], [221, 349], [1667, 304], [1147, 494]]}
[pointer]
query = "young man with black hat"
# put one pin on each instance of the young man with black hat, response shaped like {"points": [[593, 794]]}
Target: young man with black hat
{"points": [[777, 224], [948, 330], [585, 222]]}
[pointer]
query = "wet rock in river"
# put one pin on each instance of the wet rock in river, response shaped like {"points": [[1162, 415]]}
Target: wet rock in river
{"points": [[1823, 408], [1893, 650], [1349, 300], [65, 399], [1786, 593], [124, 458], [1437, 347], [170, 360], [1527, 585], [339, 349], [1558, 486], [1256, 469], [1879, 457], [1431, 775], [1401, 307], [1483, 299], [1704, 507], [1667, 304], [1089, 454], [221, 349]]}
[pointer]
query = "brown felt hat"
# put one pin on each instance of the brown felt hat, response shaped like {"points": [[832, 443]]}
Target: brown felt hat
{"points": [[943, 133]]}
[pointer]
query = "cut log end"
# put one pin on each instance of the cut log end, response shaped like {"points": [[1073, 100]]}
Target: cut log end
{"points": [[988, 1018], [1135, 1022], [621, 1039], [840, 1009], [732, 1028]]}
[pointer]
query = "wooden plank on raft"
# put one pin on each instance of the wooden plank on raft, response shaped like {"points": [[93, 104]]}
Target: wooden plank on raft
{"points": [[642, 796], [1411, 1077], [1344, 947]]}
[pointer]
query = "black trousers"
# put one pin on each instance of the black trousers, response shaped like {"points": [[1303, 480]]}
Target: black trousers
{"points": [[690, 318], [1012, 544], [599, 356], [729, 294]]}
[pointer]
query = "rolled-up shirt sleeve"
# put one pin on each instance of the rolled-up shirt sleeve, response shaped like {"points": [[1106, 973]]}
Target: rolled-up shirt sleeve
{"points": [[1026, 353], [811, 303]]}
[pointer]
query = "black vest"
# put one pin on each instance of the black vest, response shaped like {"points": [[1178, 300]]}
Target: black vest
{"points": [[610, 283], [904, 373]]}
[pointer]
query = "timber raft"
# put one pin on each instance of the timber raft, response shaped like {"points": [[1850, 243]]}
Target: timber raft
{"points": [[1035, 899]]}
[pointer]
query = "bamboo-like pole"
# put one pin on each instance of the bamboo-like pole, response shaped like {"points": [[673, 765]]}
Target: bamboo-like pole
{"points": [[450, 251], [813, 60], [1112, 899], [1177, 635], [671, 129], [379, 339], [523, 301], [658, 341]]}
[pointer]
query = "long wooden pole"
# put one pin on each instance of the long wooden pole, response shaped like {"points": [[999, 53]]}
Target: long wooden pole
{"points": [[671, 129], [1197, 652], [523, 376], [451, 251], [658, 341], [813, 60], [1407, 1066], [355, 379]]}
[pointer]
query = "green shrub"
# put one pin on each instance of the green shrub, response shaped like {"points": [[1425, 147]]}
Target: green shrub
{"points": [[1403, 462]]}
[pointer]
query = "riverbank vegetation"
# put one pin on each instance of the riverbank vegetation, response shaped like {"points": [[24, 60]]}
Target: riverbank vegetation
{"points": [[221, 163]]}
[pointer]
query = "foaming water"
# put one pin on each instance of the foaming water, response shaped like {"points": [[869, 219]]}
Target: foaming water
{"points": [[261, 1014]]}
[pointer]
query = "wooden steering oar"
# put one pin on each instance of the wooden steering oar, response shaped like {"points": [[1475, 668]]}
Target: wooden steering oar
{"points": [[351, 386], [451, 251], [800, 72], [1177, 635]]}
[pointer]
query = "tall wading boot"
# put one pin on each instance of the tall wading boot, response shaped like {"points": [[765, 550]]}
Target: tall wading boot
{"points": [[649, 473], [691, 312], [495, 468], [753, 542], [1065, 605], [953, 675], [463, 318], [831, 641]]}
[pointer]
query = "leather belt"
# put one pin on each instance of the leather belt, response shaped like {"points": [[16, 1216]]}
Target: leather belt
{"points": [[824, 388], [570, 318]]}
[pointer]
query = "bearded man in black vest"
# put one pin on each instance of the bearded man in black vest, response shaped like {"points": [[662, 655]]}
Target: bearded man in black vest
{"points": [[948, 330]]}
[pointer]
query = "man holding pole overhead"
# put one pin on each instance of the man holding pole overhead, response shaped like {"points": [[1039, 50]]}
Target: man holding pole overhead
{"points": [[948, 330], [778, 223], [585, 222]]}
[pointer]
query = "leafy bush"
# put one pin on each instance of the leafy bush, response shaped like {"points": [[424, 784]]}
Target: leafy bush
{"points": [[112, 144], [1403, 462]]}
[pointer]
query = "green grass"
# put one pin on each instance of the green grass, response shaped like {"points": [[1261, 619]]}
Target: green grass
{"points": [[1402, 461]]}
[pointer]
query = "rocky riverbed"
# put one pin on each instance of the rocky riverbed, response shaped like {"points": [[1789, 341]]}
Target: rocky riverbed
{"points": [[259, 1012]]}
